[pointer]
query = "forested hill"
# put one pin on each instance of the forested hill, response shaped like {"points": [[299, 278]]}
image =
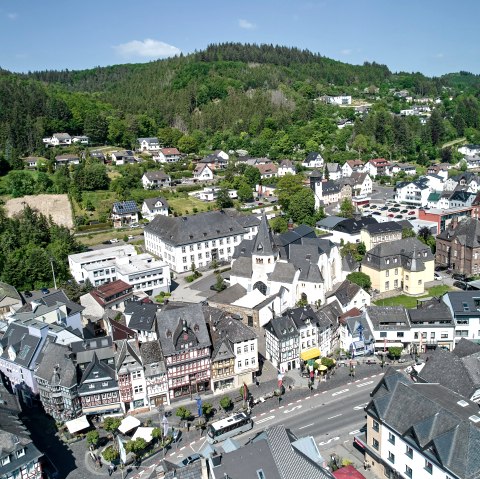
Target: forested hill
{"points": [[228, 95]]}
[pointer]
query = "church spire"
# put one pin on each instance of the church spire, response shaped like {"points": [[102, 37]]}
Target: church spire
{"points": [[263, 244]]}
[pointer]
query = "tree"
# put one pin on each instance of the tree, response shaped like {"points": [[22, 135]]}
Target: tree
{"points": [[157, 433], [136, 447], [346, 208], [93, 437], [329, 362], [302, 207], [183, 413], [207, 409], [279, 224], [252, 176], [19, 183], [362, 279], [395, 352], [110, 454], [220, 283], [187, 144], [244, 192], [360, 144], [226, 403], [111, 424], [223, 199], [287, 187], [408, 233], [426, 237]]}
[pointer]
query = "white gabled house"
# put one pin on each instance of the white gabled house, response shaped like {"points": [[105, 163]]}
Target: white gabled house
{"points": [[167, 155], [286, 168], [152, 207], [156, 179], [313, 160], [149, 144], [203, 172]]}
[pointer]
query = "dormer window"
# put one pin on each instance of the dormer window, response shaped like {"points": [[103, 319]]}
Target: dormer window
{"points": [[20, 453], [5, 460]]}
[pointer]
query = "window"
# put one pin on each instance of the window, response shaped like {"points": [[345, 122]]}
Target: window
{"points": [[375, 426], [432, 335], [5, 460], [252, 347], [136, 374], [408, 471], [245, 348], [387, 274], [400, 334], [239, 364], [409, 452], [387, 285], [375, 444], [419, 282], [444, 335], [20, 453], [395, 283], [383, 334], [246, 362], [184, 259], [184, 249], [396, 271], [391, 457], [391, 438], [239, 349], [138, 389], [428, 466]]}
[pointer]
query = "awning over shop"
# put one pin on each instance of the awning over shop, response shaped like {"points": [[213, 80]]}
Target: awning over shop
{"points": [[310, 354], [144, 433], [76, 425], [128, 424]]}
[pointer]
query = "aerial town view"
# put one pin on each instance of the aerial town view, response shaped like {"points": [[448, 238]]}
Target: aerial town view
{"points": [[239, 240]]}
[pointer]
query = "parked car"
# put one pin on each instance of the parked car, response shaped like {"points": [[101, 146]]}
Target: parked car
{"points": [[411, 212], [437, 276], [130, 237], [397, 205], [370, 361], [134, 225], [376, 213], [45, 291], [402, 360], [27, 294], [404, 211], [391, 215], [384, 208], [373, 207], [114, 240], [398, 217], [462, 285], [409, 218], [458, 276], [188, 460]]}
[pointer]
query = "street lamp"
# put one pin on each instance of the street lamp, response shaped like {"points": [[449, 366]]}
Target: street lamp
{"points": [[53, 273]]}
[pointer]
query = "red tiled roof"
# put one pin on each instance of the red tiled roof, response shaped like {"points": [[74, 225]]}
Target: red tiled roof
{"points": [[267, 168], [120, 331], [351, 313], [170, 151], [107, 290], [348, 472], [379, 161]]}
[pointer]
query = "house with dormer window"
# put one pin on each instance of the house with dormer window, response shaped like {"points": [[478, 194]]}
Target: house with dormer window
{"points": [[282, 343], [186, 347]]}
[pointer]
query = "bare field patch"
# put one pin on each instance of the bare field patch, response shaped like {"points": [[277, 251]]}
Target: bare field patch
{"points": [[56, 206]]}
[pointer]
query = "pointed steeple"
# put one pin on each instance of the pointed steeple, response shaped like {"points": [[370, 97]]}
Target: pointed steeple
{"points": [[263, 244]]}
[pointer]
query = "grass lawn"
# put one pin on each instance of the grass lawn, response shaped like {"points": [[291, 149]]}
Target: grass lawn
{"points": [[102, 201], [410, 302], [182, 205], [94, 239]]}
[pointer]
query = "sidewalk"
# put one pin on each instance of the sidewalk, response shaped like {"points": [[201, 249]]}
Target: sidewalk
{"points": [[352, 455]]}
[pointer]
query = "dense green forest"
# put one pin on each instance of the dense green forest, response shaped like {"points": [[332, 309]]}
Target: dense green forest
{"points": [[261, 98]]}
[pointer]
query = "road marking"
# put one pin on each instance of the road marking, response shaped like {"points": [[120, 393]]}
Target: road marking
{"points": [[340, 392], [374, 376], [253, 417], [308, 425], [299, 400], [332, 417], [324, 443], [281, 407], [364, 384], [348, 440], [359, 407], [354, 432], [182, 448], [289, 404], [192, 443], [265, 419], [271, 410], [315, 395], [263, 414], [293, 409]]}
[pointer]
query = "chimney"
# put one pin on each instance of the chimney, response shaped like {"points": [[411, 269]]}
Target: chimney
{"points": [[290, 224]]}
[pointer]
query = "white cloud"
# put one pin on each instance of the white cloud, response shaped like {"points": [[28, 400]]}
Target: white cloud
{"points": [[147, 48], [439, 55], [346, 51], [245, 24], [12, 16]]}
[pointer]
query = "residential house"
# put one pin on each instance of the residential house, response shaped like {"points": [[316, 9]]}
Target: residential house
{"points": [[155, 374], [337, 100], [148, 144], [341, 124], [56, 377], [334, 171], [287, 167], [152, 207], [123, 157], [456, 370], [273, 453], [267, 170], [375, 233], [352, 166], [313, 160], [405, 264], [432, 326], [235, 350], [377, 167], [124, 213], [202, 172], [467, 181], [10, 300], [218, 160], [465, 308], [328, 321], [349, 295], [346, 230], [67, 160], [458, 247], [390, 326], [413, 193], [186, 347], [82, 139], [167, 155], [198, 239], [469, 150], [424, 436], [84, 350], [19, 457], [153, 180], [58, 139], [472, 162], [307, 324], [447, 200], [440, 169], [282, 341], [361, 183], [79, 262], [20, 347], [354, 334], [140, 317], [98, 389], [210, 193], [326, 191], [98, 155], [33, 162], [407, 170]]}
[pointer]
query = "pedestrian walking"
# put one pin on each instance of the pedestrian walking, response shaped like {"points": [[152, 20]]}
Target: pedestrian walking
{"points": [[111, 469]]}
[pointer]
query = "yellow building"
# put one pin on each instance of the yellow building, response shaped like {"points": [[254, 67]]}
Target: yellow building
{"points": [[404, 265], [373, 234]]}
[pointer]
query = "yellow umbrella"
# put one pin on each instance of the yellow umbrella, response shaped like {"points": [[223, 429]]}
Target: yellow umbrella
{"points": [[322, 367]]}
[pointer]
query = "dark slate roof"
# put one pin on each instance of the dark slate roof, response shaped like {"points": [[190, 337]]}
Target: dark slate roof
{"points": [[330, 222], [345, 292], [433, 418], [330, 187], [283, 273], [156, 175], [403, 251], [382, 228], [242, 267], [467, 233], [125, 207], [465, 347], [8, 291], [177, 326], [282, 327], [464, 303], [328, 314], [263, 244], [49, 302], [349, 263], [353, 226], [433, 312], [229, 295], [312, 156], [152, 358], [142, 315], [151, 202], [388, 317], [99, 375], [25, 344], [55, 366], [127, 356], [333, 167], [222, 350], [193, 229], [302, 315]]}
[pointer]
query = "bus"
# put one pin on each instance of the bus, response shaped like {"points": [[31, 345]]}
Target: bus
{"points": [[228, 427]]}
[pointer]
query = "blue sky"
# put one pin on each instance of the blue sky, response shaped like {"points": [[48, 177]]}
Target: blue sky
{"points": [[431, 36]]}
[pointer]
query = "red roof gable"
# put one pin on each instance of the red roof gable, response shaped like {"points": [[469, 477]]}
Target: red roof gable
{"points": [[379, 162], [106, 292], [348, 472], [170, 151]]}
